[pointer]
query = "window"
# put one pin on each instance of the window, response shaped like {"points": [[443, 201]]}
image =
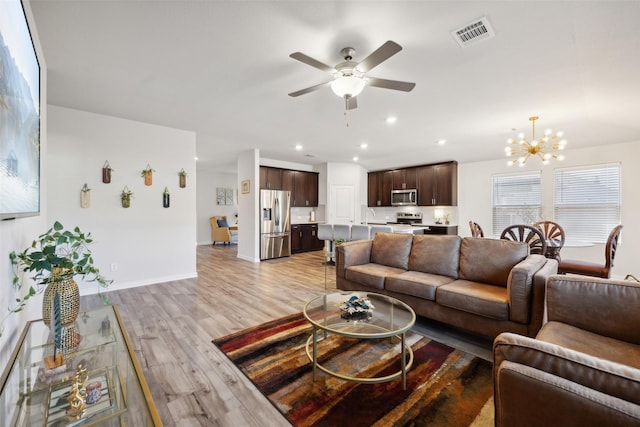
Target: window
{"points": [[586, 201], [516, 200]]}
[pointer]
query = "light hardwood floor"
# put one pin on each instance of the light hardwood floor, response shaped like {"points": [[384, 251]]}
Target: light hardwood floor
{"points": [[171, 326]]}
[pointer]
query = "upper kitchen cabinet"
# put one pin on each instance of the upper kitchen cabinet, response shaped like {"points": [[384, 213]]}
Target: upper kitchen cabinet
{"points": [[373, 189], [438, 184], [302, 185], [405, 179], [305, 193], [379, 188], [270, 178]]}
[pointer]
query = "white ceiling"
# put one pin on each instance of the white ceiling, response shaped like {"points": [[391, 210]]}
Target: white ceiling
{"points": [[222, 69]]}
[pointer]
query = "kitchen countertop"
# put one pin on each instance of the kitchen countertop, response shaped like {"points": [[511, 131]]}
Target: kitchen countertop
{"points": [[307, 222]]}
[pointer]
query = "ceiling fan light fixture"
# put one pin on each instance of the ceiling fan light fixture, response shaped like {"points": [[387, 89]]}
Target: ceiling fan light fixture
{"points": [[347, 86]]}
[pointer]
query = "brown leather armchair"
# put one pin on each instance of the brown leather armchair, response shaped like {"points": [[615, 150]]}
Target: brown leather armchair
{"points": [[583, 366], [221, 234]]}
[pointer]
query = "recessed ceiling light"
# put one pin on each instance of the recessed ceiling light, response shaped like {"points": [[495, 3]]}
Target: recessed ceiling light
{"points": [[355, 158], [391, 120], [441, 141], [195, 158], [298, 147], [364, 145]]}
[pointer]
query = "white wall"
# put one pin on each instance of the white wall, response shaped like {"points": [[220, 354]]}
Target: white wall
{"points": [[248, 205], [208, 181], [145, 243], [474, 198]]}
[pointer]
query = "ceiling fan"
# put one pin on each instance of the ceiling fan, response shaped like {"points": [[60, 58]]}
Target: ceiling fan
{"points": [[348, 77]]}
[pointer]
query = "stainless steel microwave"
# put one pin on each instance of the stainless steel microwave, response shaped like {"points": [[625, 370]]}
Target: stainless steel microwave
{"points": [[404, 197]]}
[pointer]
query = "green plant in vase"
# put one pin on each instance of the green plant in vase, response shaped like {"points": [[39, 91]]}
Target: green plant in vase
{"points": [[126, 196], [52, 261]]}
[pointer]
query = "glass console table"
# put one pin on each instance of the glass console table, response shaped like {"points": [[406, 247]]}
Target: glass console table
{"points": [[97, 362]]}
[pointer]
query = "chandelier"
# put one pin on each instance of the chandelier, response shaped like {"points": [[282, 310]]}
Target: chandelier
{"points": [[545, 148]]}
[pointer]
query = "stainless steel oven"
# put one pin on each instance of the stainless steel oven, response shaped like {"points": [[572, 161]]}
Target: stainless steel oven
{"points": [[404, 197]]}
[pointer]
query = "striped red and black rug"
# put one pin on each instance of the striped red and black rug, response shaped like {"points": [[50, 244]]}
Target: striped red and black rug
{"points": [[445, 386]]}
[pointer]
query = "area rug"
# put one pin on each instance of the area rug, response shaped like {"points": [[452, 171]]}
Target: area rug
{"points": [[445, 386]]}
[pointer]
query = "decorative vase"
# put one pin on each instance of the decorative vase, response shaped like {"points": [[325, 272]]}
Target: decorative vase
{"points": [[67, 289], [183, 181], [69, 340], [148, 178], [126, 201], [85, 197], [165, 200]]}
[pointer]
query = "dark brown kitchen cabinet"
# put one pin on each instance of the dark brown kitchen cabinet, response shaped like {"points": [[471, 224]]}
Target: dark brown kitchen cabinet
{"points": [[305, 193], [302, 185], [438, 184], [404, 179], [288, 181], [373, 189], [386, 185], [270, 178], [304, 238]]}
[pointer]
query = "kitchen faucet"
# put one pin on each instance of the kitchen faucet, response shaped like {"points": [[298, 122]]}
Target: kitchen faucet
{"points": [[366, 213]]}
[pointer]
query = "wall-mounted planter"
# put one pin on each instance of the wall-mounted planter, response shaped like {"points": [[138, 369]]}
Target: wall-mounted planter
{"points": [[182, 178], [106, 173], [85, 197], [126, 196], [147, 174], [166, 198]]}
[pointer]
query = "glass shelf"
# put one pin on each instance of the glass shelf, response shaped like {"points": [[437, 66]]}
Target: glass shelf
{"points": [[34, 395]]}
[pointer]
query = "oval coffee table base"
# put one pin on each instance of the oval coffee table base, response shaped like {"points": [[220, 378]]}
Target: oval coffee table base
{"points": [[402, 373]]}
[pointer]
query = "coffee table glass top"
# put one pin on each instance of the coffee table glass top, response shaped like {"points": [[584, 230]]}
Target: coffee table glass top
{"points": [[386, 316]]}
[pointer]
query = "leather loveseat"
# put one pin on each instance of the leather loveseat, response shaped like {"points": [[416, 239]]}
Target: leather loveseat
{"points": [[487, 286], [582, 368]]}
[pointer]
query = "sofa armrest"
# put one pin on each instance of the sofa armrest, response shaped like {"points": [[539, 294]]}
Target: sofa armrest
{"points": [[519, 287], [352, 253], [537, 303], [582, 301], [610, 378], [525, 396]]}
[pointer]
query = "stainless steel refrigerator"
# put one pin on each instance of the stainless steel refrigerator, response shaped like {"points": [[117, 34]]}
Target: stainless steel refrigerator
{"points": [[275, 224]]}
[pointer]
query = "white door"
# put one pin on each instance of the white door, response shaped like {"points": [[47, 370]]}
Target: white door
{"points": [[342, 205]]}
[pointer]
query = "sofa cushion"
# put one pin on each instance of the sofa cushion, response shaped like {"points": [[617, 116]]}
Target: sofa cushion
{"points": [[489, 260], [391, 249], [435, 254], [416, 283], [477, 298], [371, 275]]}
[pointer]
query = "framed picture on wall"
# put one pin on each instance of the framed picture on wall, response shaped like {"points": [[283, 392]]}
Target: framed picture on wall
{"points": [[246, 186], [19, 116]]}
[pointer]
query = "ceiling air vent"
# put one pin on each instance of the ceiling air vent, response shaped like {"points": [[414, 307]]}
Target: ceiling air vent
{"points": [[473, 32]]}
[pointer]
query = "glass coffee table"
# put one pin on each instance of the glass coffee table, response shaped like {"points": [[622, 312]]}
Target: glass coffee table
{"points": [[389, 318]]}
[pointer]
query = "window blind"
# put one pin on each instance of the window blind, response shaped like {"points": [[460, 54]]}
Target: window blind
{"points": [[516, 200], [586, 201]]}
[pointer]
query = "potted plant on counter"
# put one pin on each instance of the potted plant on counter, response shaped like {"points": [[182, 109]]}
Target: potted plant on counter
{"points": [[52, 261]]}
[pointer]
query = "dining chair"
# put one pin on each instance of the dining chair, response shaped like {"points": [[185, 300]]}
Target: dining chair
{"points": [[554, 236], [476, 230], [594, 269], [527, 234]]}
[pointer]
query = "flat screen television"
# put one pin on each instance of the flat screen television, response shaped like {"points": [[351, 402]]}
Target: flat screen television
{"points": [[19, 115]]}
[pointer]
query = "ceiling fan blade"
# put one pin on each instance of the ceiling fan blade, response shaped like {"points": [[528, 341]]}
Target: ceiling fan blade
{"points": [[310, 61], [307, 90], [380, 55], [350, 102], [390, 84]]}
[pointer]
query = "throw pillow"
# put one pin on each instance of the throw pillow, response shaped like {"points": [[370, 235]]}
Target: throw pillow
{"points": [[222, 223]]}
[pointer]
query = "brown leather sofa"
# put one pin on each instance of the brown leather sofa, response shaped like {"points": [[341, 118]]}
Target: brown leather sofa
{"points": [[583, 367], [487, 286]]}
